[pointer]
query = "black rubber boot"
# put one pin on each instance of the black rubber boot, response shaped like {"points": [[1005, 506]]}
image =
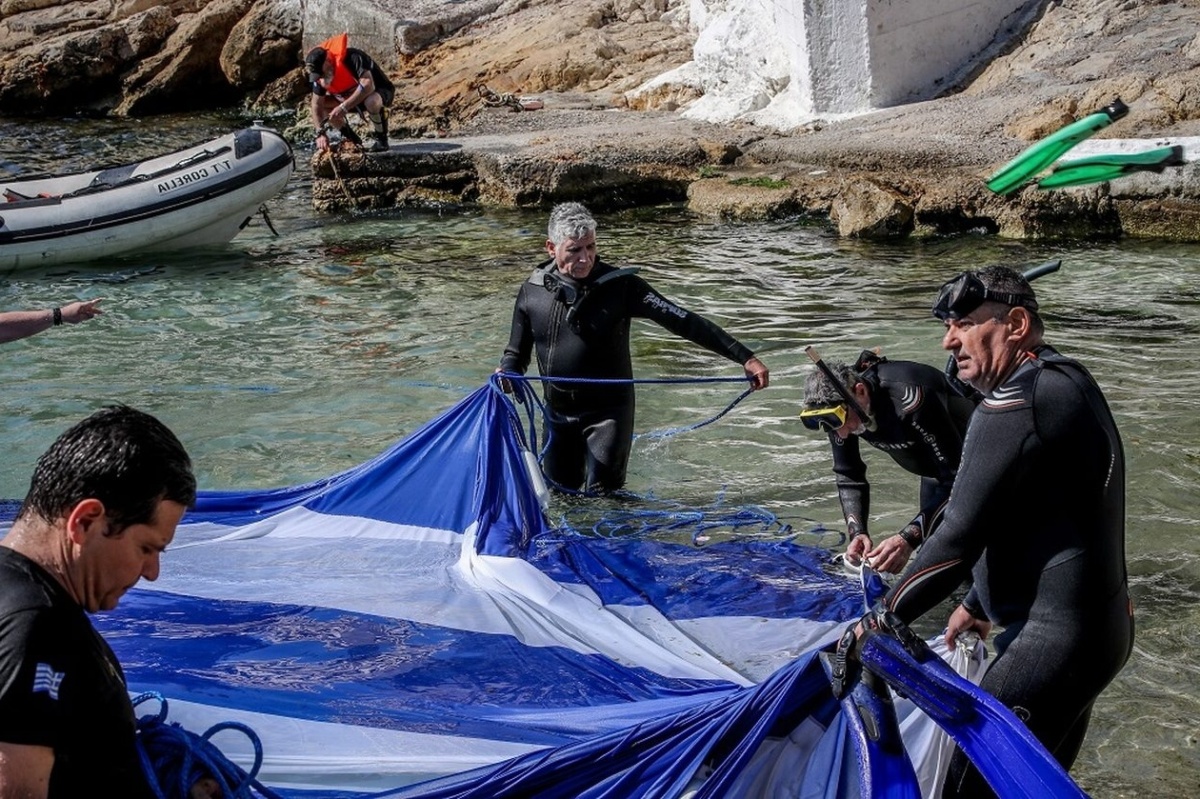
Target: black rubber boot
{"points": [[379, 143]]}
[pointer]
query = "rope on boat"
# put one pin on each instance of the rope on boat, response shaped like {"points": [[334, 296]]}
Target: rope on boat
{"points": [[174, 759], [266, 218]]}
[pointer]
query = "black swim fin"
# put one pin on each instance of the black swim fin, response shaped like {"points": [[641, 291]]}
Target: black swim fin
{"points": [[1099, 168], [1043, 153], [884, 768], [1014, 763]]}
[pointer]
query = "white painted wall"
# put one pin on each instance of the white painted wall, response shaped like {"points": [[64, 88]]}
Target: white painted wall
{"points": [[371, 29], [840, 58], [917, 46], [783, 63]]}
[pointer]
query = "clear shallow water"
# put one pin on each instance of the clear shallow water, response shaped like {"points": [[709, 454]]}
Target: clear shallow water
{"points": [[281, 360]]}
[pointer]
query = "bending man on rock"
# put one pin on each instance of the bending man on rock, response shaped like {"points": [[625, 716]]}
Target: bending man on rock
{"points": [[345, 79]]}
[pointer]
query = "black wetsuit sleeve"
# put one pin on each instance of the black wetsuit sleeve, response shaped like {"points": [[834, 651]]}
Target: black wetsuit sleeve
{"points": [[520, 340], [647, 303], [26, 717], [850, 475], [996, 442], [1037, 508]]}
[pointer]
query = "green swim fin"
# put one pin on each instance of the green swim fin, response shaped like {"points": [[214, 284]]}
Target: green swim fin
{"points": [[1045, 152], [1099, 168]]}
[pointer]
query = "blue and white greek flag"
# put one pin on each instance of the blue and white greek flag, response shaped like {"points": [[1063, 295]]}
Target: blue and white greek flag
{"points": [[47, 680], [413, 625]]}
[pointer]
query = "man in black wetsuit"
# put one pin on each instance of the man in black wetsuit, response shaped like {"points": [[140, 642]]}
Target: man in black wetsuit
{"points": [[575, 312], [103, 504], [915, 417], [1038, 511]]}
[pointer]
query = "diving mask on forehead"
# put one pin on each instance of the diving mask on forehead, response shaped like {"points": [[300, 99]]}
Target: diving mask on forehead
{"points": [[958, 297]]}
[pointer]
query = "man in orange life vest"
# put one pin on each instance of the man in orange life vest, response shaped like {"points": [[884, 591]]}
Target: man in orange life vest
{"points": [[345, 79]]}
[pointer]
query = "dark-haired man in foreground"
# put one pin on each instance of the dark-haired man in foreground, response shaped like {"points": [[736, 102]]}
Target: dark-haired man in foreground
{"points": [[103, 504]]}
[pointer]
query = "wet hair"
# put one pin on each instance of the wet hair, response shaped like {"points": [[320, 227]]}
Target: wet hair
{"points": [[570, 221], [121, 456], [314, 62], [820, 393], [1007, 280]]}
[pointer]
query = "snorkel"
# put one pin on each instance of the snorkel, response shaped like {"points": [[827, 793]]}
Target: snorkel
{"points": [[571, 291], [841, 389]]}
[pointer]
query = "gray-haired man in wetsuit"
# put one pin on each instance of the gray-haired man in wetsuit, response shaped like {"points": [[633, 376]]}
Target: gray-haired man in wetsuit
{"points": [[915, 417], [575, 312], [1038, 511]]}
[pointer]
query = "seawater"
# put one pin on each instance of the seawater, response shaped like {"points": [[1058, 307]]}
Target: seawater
{"points": [[283, 359]]}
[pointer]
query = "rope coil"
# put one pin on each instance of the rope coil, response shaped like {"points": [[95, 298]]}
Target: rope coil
{"points": [[174, 759]]}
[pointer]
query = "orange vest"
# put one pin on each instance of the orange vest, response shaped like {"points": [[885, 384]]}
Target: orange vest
{"points": [[344, 81]]}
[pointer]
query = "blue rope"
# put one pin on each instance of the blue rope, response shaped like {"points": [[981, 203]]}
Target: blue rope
{"points": [[671, 431], [174, 759], [522, 394], [670, 517], [676, 517], [746, 521]]}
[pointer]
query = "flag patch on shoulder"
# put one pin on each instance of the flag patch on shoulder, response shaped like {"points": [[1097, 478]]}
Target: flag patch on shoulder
{"points": [[47, 679]]}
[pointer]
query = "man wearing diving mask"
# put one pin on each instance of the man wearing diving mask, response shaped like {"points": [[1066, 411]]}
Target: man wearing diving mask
{"points": [[574, 314], [1037, 516], [906, 409]]}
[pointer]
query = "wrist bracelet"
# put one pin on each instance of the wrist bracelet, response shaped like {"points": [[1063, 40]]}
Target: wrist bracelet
{"points": [[57, 317]]}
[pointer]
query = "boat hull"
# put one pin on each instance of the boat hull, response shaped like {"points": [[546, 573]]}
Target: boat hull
{"points": [[201, 196]]}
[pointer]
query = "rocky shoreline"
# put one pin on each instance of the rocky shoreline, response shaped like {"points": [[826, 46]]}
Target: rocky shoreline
{"points": [[602, 137], [917, 184]]}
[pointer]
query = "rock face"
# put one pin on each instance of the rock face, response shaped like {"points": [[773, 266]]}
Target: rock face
{"points": [[137, 57], [593, 51], [655, 157]]}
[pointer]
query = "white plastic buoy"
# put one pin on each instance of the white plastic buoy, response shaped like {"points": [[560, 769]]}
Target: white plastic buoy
{"points": [[535, 476]]}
